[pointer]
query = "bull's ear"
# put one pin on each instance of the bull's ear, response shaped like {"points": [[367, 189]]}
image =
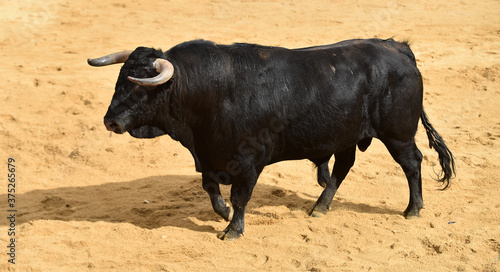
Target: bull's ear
{"points": [[119, 57], [162, 66]]}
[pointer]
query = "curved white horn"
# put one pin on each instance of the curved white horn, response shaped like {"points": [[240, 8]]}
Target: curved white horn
{"points": [[119, 57], [162, 66]]}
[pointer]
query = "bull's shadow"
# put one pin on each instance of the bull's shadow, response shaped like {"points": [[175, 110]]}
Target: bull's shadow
{"points": [[155, 202]]}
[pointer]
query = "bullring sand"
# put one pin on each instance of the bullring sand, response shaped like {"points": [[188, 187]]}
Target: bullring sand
{"points": [[88, 201]]}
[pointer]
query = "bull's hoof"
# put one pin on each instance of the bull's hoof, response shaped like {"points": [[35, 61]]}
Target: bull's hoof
{"points": [[412, 214], [408, 217], [229, 235], [317, 214], [413, 211], [318, 211]]}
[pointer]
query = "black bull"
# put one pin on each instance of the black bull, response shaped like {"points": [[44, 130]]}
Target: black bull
{"points": [[240, 107]]}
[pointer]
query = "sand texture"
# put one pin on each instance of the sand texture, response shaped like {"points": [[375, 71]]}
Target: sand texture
{"points": [[88, 201]]}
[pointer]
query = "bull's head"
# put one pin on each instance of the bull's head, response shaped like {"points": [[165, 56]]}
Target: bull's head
{"points": [[135, 104]]}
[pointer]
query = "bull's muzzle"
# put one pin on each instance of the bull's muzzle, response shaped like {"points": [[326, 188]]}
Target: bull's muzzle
{"points": [[113, 126]]}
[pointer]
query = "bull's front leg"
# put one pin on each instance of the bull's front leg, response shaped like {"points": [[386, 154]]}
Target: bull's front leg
{"points": [[219, 205], [241, 191]]}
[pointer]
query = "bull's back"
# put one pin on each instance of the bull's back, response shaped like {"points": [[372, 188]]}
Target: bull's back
{"points": [[342, 93], [314, 101]]}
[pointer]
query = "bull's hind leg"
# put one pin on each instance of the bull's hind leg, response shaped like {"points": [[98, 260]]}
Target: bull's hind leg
{"points": [[409, 157], [343, 162], [323, 171]]}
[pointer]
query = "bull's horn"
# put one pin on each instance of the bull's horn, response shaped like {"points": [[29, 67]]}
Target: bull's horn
{"points": [[162, 66], [119, 57]]}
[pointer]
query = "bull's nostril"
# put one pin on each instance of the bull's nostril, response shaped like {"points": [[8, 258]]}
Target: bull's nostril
{"points": [[111, 126]]}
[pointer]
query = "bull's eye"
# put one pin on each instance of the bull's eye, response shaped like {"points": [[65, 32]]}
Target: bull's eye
{"points": [[143, 89]]}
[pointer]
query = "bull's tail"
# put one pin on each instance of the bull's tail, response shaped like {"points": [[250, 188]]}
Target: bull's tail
{"points": [[446, 159]]}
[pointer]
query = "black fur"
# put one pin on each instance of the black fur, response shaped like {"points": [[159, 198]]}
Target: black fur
{"points": [[240, 107], [446, 159]]}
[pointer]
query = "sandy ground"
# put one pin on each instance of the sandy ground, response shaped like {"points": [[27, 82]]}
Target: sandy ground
{"points": [[88, 201]]}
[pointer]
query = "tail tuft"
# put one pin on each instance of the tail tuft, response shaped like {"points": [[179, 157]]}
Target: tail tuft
{"points": [[446, 159]]}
